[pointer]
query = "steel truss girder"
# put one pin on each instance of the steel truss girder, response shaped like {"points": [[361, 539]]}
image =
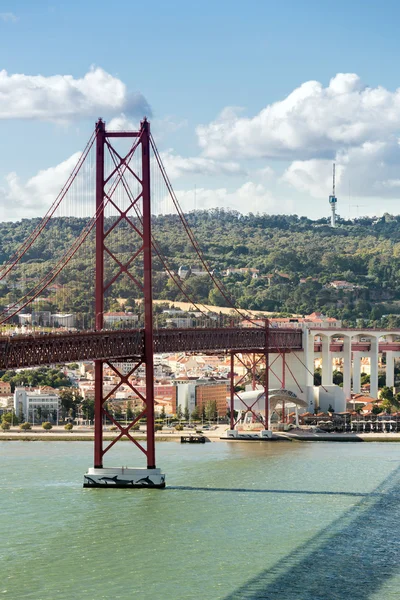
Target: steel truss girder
{"points": [[35, 350]]}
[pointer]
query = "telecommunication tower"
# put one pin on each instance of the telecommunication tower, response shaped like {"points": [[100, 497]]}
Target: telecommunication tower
{"points": [[333, 201]]}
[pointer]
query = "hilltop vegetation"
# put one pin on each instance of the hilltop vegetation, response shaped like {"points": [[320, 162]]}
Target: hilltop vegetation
{"points": [[301, 258]]}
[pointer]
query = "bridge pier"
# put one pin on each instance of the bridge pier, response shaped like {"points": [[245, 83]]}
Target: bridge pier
{"points": [[251, 361], [124, 477]]}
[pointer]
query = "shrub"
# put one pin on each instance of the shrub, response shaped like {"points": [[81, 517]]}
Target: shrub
{"points": [[5, 425], [158, 427], [113, 428], [68, 427], [178, 427], [25, 426], [47, 426], [135, 427]]}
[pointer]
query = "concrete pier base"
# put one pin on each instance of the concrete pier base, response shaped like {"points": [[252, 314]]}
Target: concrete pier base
{"points": [[123, 477], [266, 434], [233, 434]]}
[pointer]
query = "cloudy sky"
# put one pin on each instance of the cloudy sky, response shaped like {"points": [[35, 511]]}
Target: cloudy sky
{"points": [[250, 102]]}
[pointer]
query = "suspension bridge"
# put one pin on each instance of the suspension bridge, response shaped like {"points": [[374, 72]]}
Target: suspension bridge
{"points": [[118, 186]]}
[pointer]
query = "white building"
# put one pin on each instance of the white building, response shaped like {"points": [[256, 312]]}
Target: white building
{"points": [[111, 318], [63, 319], [185, 393], [185, 271], [180, 322], [41, 318], [28, 401], [24, 318]]}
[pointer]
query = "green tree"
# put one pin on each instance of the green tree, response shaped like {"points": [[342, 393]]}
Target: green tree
{"points": [[70, 399], [10, 417], [337, 377], [210, 410], [25, 426], [129, 412], [386, 393], [87, 406], [365, 378], [196, 415], [387, 406]]}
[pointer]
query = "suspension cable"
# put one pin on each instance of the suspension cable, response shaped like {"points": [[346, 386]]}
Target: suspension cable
{"points": [[157, 249], [26, 245], [192, 238], [67, 256]]}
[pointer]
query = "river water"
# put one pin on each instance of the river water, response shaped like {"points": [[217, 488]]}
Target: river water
{"points": [[237, 521]]}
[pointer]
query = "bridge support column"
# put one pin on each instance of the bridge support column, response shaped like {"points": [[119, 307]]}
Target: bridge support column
{"points": [[390, 369], [356, 372], [347, 367], [326, 360], [374, 367], [98, 414], [308, 345]]}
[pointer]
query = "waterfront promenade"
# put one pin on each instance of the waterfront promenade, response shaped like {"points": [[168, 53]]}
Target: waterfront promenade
{"points": [[215, 434]]}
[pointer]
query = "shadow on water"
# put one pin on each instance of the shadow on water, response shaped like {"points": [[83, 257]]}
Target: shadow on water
{"points": [[189, 488], [349, 559]]}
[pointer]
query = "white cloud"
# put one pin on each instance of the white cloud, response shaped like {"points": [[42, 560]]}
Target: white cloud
{"points": [[32, 198], [61, 97], [165, 126], [356, 126], [266, 173], [122, 123], [8, 17], [159, 127], [312, 122], [312, 176], [370, 170], [250, 197], [178, 166]]}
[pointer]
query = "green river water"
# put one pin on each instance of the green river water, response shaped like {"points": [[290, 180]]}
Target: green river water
{"points": [[237, 521]]}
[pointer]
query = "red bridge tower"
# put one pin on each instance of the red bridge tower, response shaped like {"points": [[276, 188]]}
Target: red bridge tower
{"points": [[123, 193]]}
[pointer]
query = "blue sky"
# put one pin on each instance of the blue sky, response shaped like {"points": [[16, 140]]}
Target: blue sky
{"points": [[189, 61]]}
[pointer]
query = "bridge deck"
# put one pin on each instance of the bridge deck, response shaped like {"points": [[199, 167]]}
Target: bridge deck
{"points": [[35, 350]]}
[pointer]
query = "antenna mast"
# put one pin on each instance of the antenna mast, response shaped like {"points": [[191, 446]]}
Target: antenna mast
{"points": [[333, 199]]}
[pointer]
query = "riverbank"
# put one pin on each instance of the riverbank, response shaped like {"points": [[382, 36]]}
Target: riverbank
{"points": [[86, 434]]}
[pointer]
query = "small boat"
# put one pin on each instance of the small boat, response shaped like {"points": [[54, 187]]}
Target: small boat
{"points": [[193, 439]]}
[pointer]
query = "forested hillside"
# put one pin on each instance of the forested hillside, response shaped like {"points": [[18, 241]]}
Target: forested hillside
{"points": [[297, 260]]}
